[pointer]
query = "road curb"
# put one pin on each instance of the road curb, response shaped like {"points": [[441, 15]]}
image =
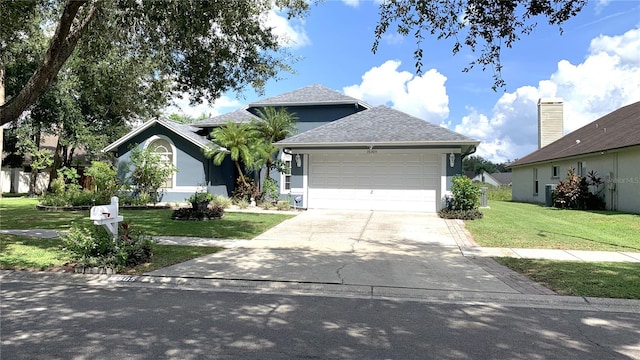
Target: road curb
{"points": [[329, 290]]}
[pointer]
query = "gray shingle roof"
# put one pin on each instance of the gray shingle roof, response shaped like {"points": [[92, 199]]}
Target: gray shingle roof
{"points": [[503, 178], [186, 131], [238, 116], [615, 130], [310, 95], [378, 125]]}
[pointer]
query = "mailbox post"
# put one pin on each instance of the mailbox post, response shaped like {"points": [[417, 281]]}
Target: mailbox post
{"points": [[107, 216]]}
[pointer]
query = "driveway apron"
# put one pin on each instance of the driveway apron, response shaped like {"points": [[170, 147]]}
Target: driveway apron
{"points": [[385, 249]]}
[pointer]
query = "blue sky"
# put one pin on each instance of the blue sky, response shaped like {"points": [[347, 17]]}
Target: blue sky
{"points": [[594, 66]]}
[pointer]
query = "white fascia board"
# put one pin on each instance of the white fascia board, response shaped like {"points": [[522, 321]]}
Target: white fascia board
{"points": [[375, 144]]}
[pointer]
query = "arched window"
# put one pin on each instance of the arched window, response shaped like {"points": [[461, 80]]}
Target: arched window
{"points": [[163, 149]]}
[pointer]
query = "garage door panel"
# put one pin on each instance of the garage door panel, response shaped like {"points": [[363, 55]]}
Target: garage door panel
{"points": [[393, 181]]}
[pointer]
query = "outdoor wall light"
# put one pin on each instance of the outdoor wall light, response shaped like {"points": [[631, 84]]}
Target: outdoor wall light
{"points": [[298, 160], [452, 159]]}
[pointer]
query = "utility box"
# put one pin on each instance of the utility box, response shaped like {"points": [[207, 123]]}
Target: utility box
{"points": [[548, 193]]}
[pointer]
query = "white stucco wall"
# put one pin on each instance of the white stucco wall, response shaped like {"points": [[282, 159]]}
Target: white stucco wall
{"points": [[622, 167]]}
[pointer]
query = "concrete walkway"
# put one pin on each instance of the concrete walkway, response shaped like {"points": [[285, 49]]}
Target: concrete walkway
{"points": [[466, 245]]}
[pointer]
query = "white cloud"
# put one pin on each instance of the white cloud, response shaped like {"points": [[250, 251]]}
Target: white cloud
{"points": [[352, 3], [421, 96], [182, 107], [290, 33], [606, 80]]}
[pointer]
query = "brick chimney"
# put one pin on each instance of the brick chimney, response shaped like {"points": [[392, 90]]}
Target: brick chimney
{"points": [[550, 121]]}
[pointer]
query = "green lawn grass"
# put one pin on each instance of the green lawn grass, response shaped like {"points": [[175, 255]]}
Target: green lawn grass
{"points": [[609, 280], [27, 253], [21, 213], [521, 225]]}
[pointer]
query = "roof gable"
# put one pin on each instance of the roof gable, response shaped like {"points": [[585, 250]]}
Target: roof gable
{"points": [[309, 95], [618, 129], [378, 125], [186, 131]]}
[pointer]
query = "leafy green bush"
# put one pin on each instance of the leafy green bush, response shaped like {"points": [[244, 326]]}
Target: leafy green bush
{"points": [[465, 202], [105, 181], [199, 197], [95, 247], [270, 191], [466, 196]]}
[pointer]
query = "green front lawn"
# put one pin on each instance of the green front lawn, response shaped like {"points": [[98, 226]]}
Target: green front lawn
{"points": [[20, 213], [609, 280], [521, 225], [27, 253]]}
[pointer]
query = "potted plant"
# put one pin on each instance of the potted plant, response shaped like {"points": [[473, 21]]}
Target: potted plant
{"points": [[200, 200]]}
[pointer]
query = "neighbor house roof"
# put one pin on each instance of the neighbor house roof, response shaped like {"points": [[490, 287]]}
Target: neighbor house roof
{"points": [[188, 132], [503, 178], [377, 126], [239, 116], [615, 130], [309, 95]]}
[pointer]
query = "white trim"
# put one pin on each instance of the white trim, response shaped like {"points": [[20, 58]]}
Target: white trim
{"points": [[443, 182], [381, 151], [286, 157], [284, 144], [174, 154]]}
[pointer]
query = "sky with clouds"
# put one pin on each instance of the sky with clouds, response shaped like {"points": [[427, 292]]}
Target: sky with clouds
{"points": [[594, 66]]}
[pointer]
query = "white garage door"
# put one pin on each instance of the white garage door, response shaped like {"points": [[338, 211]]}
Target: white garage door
{"points": [[379, 181]]}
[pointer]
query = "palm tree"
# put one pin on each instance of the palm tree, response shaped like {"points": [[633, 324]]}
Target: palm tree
{"points": [[274, 125], [234, 140]]}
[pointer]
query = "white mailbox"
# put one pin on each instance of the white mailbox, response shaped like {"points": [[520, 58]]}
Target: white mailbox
{"points": [[107, 216]]}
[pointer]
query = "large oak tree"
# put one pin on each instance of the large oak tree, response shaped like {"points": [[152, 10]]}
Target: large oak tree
{"points": [[204, 48]]}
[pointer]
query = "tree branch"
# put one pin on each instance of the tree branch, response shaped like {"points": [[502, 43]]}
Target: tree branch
{"points": [[60, 48]]}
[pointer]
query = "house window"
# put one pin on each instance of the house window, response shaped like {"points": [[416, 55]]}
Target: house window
{"points": [[535, 182], [285, 177], [555, 171], [582, 168], [163, 149]]}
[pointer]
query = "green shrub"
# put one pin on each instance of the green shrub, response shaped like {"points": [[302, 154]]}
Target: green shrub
{"points": [[222, 201], [209, 213], [283, 205], [199, 197], [466, 196], [270, 191], [105, 181], [242, 203], [573, 192], [95, 247]]}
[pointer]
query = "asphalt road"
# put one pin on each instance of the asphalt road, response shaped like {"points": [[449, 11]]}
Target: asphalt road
{"points": [[41, 320]]}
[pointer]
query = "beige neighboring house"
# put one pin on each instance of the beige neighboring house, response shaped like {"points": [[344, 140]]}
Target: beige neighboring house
{"points": [[609, 145]]}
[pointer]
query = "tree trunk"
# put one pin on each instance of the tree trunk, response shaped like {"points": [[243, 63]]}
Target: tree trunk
{"points": [[240, 172], [60, 48]]}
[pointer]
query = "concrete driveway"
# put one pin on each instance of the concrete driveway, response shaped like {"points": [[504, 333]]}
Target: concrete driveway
{"points": [[383, 249]]}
